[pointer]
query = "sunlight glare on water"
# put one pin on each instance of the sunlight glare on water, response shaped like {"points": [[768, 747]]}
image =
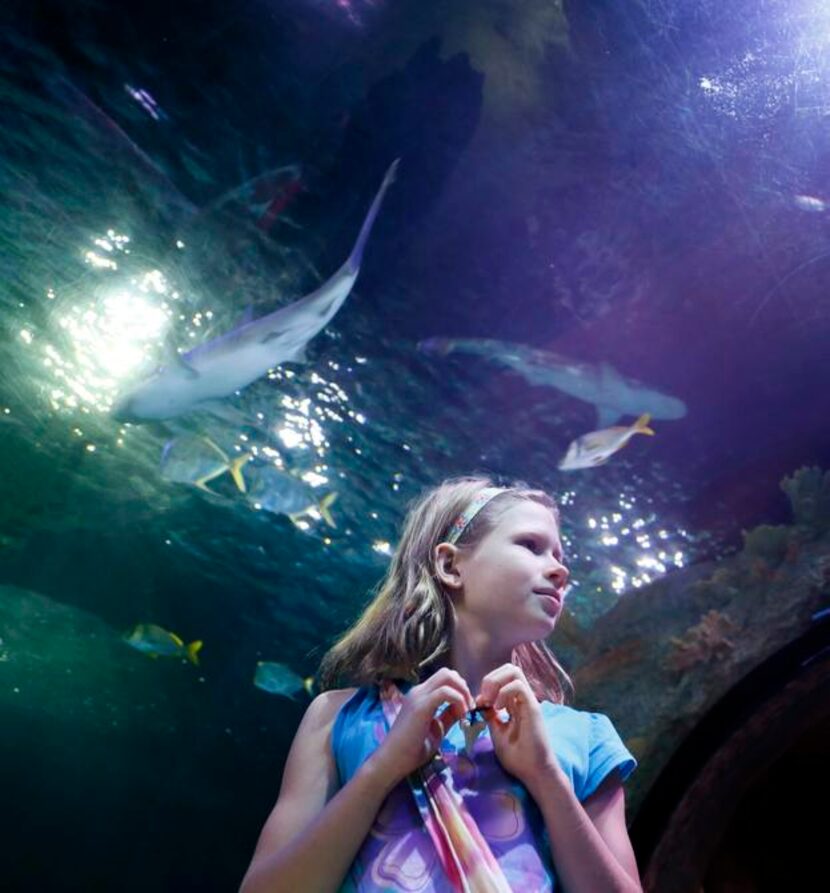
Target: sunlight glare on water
{"points": [[108, 336]]}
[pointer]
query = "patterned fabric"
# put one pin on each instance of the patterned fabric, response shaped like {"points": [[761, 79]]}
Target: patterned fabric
{"points": [[399, 854], [462, 521], [463, 852]]}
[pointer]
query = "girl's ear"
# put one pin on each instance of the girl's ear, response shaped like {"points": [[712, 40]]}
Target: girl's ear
{"points": [[446, 566]]}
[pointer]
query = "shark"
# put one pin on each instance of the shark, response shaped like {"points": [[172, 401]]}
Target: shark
{"points": [[226, 364], [611, 393]]}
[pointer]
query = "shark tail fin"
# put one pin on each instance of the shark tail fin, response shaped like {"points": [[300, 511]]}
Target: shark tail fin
{"points": [[325, 502], [641, 425], [193, 650], [355, 258], [235, 468]]}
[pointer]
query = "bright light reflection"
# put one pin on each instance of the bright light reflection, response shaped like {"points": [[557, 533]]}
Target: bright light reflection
{"points": [[108, 340], [104, 338], [290, 437], [617, 561]]}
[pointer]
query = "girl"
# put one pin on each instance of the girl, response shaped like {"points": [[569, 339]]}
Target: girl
{"points": [[387, 786]]}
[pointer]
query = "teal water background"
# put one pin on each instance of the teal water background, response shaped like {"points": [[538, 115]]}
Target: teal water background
{"points": [[641, 188]]}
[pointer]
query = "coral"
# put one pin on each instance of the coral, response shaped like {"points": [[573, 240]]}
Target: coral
{"points": [[761, 572], [808, 490], [722, 576], [718, 589], [819, 574], [702, 642], [768, 542], [628, 653]]}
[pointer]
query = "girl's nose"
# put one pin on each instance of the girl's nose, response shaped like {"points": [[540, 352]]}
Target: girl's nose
{"points": [[558, 574]]}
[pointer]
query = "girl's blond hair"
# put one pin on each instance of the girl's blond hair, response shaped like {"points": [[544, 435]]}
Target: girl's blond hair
{"points": [[406, 629]]}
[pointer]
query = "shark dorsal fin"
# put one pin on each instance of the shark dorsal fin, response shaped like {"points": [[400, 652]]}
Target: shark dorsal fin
{"points": [[608, 372], [299, 355], [185, 367], [606, 416]]}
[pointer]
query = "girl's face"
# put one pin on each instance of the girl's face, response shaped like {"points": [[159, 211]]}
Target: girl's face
{"points": [[513, 582]]}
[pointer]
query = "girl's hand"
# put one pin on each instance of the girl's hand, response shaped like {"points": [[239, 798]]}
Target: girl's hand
{"points": [[417, 733], [521, 743]]}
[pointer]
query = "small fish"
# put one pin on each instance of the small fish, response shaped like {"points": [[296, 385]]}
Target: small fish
{"points": [[265, 196], [597, 447], [194, 459], [283, 494], [114, 140], [158, 642], [146, 101], [811, 203], [278, 679]]}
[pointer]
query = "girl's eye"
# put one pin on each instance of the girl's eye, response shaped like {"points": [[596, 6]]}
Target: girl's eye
{"points": [[531, 544]]}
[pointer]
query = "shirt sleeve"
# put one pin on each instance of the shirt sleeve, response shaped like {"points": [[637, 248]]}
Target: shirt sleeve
{"points": [[606, 752]]}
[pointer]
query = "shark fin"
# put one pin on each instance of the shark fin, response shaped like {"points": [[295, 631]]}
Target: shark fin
{"points": [[608, 372], [182, 363], [606, 415], [297, 356]]}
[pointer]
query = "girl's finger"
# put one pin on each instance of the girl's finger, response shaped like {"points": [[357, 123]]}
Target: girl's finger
{"points": [[492, 717], [493, 682], [513, 694], [436, 733], [457, 707], [446, 679], [446, 693], [449, 716]]}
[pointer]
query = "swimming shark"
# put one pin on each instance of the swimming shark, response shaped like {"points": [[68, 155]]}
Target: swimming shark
{"points": [[232, 361], [611, 393]]}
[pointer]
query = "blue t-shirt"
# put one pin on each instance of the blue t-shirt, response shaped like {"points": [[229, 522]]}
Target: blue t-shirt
{"points": [[398, 855]]}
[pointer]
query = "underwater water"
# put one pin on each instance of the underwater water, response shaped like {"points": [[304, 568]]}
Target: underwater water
{"points": [[600, 211]]}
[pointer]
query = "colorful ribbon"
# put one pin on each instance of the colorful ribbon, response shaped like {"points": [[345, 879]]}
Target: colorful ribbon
{"points": [[464, 854]]}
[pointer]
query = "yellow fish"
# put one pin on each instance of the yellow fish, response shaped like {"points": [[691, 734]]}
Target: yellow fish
{"points": [[158, 642], [278, 679], [597, 447], [194, 459], [284, 494]]}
